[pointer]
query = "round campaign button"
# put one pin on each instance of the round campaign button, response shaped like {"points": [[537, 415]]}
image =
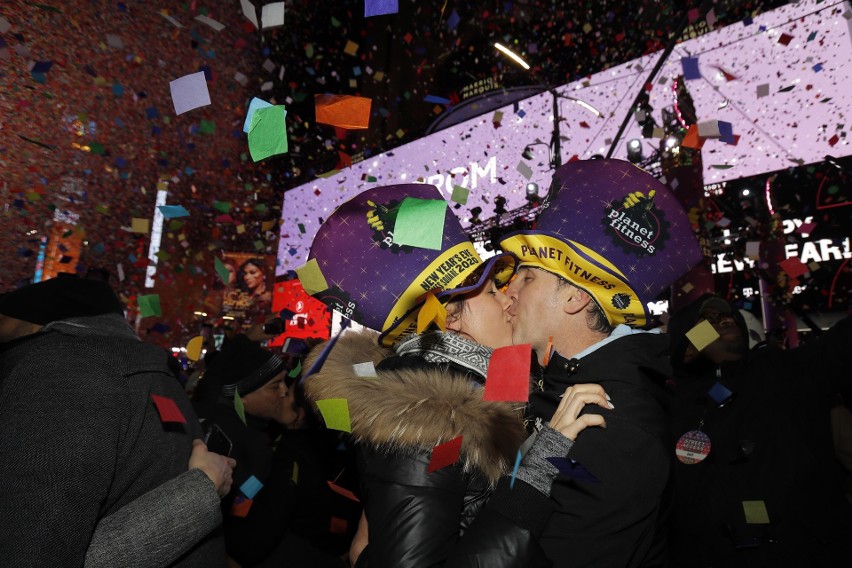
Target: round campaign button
{"points": [[693, 447]]}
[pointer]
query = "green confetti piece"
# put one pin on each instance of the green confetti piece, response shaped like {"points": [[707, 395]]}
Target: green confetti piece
{"points": [[335, 412], [301, 228], [294, 372], [221, 270], [460, 194], [149, 305], [97, 148], [420, 223], [239, 407], [268, 132], [174, 225], [222, 206], [258, 245], [102, 209], [207, 127], [162, 255]]}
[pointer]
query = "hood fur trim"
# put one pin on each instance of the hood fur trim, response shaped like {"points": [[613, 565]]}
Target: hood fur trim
{"points": [[415, 409]]}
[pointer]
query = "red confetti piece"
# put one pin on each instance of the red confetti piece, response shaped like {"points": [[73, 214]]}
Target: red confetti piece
{"points": [[445, 454], [509, 374], [168, 409], [241, 506], [793, 267], [345, 492]]}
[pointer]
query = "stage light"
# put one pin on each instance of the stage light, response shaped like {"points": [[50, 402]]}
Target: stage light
{"points": [[512, 55], [499, 205], [745, 192], [532, 191], [634, 151], [671, 142]]}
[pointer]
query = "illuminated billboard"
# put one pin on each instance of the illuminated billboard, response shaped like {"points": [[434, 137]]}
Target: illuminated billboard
{"points": [[780, 82]]}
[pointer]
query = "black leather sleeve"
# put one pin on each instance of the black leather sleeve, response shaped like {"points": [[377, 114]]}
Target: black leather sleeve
{"points": [[413, 515]]}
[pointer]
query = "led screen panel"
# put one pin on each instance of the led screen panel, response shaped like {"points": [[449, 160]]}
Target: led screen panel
{"points": [[781, 82]]}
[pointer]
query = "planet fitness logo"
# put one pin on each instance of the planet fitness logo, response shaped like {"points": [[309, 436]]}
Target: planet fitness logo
{"points": [[340, 301], [635, 225], [381, 218]]}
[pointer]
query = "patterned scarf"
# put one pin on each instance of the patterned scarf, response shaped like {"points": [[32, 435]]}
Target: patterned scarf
{"points": [[440, 347]]}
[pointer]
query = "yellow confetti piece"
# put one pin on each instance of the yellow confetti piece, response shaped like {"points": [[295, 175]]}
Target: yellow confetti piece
{"points": [[193, 348], [432, 311], [138, 225], [311, 277], [756, 513], [702, 335]]}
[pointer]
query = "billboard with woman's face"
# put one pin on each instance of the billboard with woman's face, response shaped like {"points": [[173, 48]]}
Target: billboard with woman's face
{"points": [[248, 293]]}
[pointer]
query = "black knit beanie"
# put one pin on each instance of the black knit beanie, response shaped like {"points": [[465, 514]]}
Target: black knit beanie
{"points": [[60, 298], [243, 366]]}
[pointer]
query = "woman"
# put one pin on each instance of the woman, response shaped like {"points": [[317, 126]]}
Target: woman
{"points": [[251, 278], [427, 391]]}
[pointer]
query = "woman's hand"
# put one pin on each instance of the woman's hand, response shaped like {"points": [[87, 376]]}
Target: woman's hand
{"points": [[359, 542], [567, 420]]}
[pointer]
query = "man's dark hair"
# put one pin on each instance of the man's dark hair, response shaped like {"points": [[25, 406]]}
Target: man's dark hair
{"points": [[595, 317]]}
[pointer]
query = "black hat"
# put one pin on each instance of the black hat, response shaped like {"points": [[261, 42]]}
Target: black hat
{"points": [[60, 298], [243, 366]]}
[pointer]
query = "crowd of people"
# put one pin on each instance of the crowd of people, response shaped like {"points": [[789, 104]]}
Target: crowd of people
{"points": [[628, 447]]}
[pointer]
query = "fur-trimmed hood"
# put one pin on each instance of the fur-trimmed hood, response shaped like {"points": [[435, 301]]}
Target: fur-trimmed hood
{"points": [[414, 409]]}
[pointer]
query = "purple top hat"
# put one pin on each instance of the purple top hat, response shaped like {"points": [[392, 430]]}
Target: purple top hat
{"points": [[614, 231], [382, 284]]}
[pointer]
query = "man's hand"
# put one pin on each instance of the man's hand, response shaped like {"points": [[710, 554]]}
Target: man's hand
{"points": [[567, 420], [219, 469]]}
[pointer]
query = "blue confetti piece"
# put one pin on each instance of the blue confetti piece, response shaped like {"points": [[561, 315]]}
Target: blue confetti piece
{"points": [[515, 470], [719, 393], [42, 66], [453, 20], [380, 7], [251, 486], [817, 68], [173, 211], [437, 100], [690, 68], [726, 131], [255, 104], [152, 112], [573, 469]]}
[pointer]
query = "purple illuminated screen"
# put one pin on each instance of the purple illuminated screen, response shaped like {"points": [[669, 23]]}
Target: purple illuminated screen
{"points": [[789, 92]]}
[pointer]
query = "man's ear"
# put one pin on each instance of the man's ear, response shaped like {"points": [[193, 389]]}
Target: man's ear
{"points": [[574, 300]]}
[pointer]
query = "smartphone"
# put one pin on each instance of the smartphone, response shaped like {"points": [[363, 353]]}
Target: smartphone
{"points": [[217, 441]]}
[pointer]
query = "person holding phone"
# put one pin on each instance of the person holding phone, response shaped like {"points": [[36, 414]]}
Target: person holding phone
{"points": [[82, 438]]}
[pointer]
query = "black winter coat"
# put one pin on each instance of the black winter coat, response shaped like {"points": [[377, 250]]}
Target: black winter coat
{"points": [[418, 519], [771, 442], [620, 520]]}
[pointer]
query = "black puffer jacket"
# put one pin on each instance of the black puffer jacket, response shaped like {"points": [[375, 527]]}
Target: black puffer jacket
{"points": [[619, 520], [772, 443], [418, 519]]}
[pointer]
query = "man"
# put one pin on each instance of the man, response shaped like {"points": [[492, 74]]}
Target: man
{"points": [[244, 395], [763, 488], [610, 241], [95, 434]]}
